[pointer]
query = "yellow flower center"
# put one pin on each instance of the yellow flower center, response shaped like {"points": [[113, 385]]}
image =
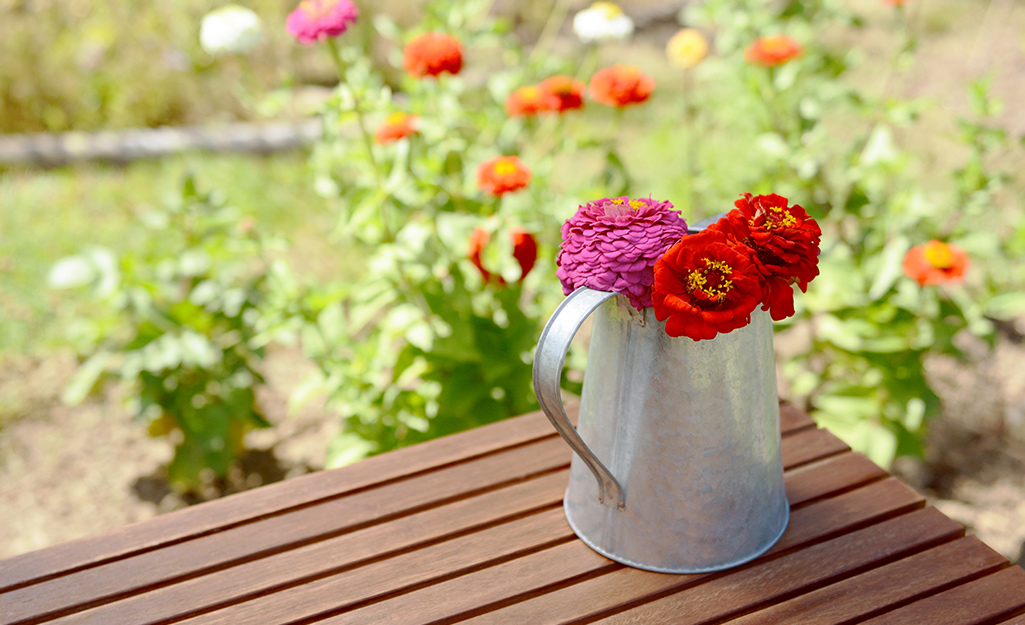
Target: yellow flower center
{"points": [[634, 204], [778, 217], [505, 168], [776, 44], [938, 254], [712, 280], [396, 118], [610, 9]]}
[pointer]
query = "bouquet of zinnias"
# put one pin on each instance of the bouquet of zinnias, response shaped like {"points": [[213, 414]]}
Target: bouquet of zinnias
{"points": [[700, 284]]}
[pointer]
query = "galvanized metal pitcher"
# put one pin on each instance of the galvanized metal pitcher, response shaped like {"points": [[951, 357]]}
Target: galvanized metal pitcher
{"points": [[678, 467]]}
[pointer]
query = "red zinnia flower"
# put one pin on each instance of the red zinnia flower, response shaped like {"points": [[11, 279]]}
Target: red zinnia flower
{"points": [[528, 101], [620, 85], [502, 174], [316, 20], [705, 284], [431, 54], [773, 50], [396, 126], [566, 91], [935, 262], [785, 245], [524, 250]]}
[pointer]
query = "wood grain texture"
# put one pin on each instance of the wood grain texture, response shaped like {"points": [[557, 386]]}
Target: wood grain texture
{"points": [[779, 579], [874, 592], [816, 522], [470, 529], [284, 571], [293, 529], [273, 499], [334, 556], [979, 602], [1014, 620], [279, 498]]}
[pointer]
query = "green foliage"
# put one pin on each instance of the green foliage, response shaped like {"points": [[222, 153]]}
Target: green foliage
{"points": [[833, 145], [415, 341], [180, 329], [80, 65]]}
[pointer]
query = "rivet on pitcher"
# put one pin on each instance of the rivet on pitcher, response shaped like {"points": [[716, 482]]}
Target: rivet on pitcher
{"points": [[678, 466]]}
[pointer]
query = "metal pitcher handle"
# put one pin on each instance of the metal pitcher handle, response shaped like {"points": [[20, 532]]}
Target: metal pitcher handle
{"points": [[549, 359]]}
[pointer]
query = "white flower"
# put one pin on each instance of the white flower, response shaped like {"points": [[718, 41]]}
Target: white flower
{"points": [[230, 30], [602, 20]]}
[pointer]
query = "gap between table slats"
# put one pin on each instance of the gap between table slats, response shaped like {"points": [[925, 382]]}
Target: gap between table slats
{"points": [[985, 601], [101, 583], [822, 520], [486, 593], [273, 499], [418, 570], [874, 592]]}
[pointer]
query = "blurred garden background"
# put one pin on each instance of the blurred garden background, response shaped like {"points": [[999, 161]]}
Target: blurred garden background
{"points": [[178, 328]]}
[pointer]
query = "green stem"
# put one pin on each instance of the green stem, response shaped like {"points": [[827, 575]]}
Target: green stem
{"points": [[357, 108]]}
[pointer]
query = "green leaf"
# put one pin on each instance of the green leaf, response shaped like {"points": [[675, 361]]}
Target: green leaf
{"points": [[889, 267], [1006, 306], [347, 448]]}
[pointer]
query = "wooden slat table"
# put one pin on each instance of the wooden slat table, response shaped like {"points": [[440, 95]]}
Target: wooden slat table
{"points": [[470, 529]]}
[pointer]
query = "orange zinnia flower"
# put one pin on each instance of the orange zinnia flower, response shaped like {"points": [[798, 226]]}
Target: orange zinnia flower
{"points": [[502, 174], [478, 241], [396, 126], [935, 262], [567, 92], [620, 85], [773, 50], [528, 101], [431, 54]]}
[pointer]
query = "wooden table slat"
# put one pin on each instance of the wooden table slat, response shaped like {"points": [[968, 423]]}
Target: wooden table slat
{"points": [[823, 520], [197, 521], [296, 528], [980, 602], [207, 553], [819, 565], [338, 554], [274, 499], [1018, 619], [874, 592], [238, 583], [508, 584], [891, 492], [806, 446], [470, 529]]}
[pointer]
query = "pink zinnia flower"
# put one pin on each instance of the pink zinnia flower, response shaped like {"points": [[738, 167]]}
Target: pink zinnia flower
{"points": [[316, 20], [613, 244]]}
